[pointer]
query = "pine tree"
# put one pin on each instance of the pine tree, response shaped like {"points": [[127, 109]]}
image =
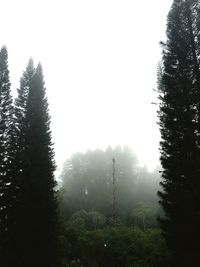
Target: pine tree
{"points": [[7, 151], [18, 165], [20, 122], [179, 118], [21, 100], [37, 221]]}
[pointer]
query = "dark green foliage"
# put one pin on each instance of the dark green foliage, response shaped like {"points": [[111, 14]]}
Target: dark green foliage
{"points": [[179, 115], [21, 107], [7, 156], [117, 247], [36, 242], [88, 236], [28, 205]]}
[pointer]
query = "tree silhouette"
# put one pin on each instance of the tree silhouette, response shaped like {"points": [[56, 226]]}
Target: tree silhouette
{"points": [[37, 222], [178, 83]]}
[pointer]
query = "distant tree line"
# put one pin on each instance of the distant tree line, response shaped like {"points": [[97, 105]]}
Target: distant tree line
{"points": [[28, 206], [89, 235], [88, 185]]}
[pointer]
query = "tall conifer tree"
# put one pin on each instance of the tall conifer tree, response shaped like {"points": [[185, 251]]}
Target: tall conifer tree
{"points": [[20, 120], [21, 100], [37, 224], [7, 157], [179, 118], [19, 164]]}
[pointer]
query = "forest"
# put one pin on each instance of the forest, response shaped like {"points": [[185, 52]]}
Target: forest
{"points": [[98, 233], [105, 209]]}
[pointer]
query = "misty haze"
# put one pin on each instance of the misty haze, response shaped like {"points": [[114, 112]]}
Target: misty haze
{"points": [[100, 133]]}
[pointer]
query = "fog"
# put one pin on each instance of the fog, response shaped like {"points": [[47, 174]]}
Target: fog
{"points": [[99, 60], [88, 181], [84, 178]]}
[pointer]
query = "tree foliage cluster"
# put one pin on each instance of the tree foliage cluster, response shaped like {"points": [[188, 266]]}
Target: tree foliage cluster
{"points": [[119, 246], [179, 114], [28, 206]]}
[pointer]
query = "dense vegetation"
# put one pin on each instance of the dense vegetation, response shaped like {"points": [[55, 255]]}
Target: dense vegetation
{"points": [[106, 212], [90, 236]]}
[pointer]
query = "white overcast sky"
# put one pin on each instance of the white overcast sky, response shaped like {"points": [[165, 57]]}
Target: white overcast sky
{"points": [[99, 60]]}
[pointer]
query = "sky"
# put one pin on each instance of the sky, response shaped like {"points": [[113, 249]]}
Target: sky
{"points": [[100, 60]]}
